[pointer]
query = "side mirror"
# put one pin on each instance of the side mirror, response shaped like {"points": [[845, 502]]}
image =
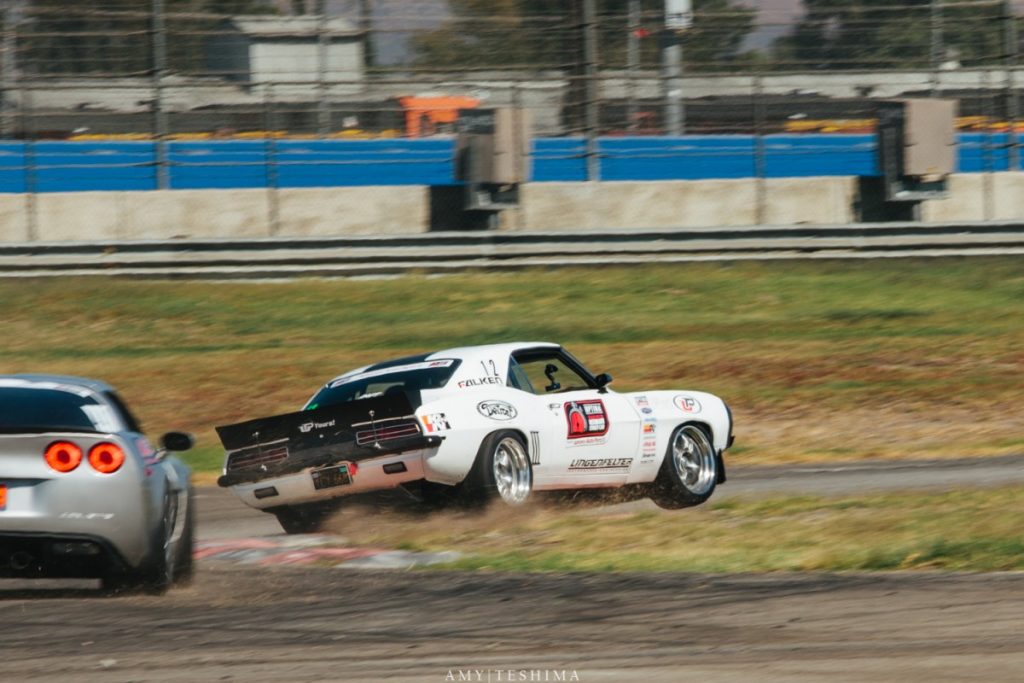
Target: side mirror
{"points": [[177, 441], [549, 371], [603, 380]]}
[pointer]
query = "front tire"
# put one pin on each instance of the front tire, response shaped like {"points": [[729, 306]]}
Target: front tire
{"points": [[689, 472], [502, 471]]}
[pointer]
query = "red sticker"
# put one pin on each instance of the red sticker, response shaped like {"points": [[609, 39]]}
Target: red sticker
{"points": [[586, 418]]}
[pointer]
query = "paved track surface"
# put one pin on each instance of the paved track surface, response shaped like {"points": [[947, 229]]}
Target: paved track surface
{"points": [[276, 624], [222, 516], [257, 623]]}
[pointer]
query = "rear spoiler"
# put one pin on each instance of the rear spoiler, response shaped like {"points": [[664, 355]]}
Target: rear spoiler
{"points": [[352, 431]]}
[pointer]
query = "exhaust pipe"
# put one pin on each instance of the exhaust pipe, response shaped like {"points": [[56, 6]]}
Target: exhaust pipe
{"points": [[21, 560]]}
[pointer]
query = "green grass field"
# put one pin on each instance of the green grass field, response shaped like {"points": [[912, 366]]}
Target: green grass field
{"points": [[961, 530], [819, 360]]}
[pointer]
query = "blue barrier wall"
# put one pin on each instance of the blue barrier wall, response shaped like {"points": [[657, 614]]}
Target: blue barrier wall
{"points": [[222, 164]]}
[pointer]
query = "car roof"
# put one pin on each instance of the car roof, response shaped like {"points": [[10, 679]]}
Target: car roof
{"points": [[463, 353], [93, 385]]}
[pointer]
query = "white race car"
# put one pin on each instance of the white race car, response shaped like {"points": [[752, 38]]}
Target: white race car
{"points": [[483, 422]]}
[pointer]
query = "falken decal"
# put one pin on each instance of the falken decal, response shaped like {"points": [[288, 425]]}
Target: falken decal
{"points": [[435, 422], [586, 419], [480, 382], [687, 404], [497, 410]]}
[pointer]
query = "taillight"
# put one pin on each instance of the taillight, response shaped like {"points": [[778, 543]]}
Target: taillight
{"points": [[63, 456], [106, 458]]}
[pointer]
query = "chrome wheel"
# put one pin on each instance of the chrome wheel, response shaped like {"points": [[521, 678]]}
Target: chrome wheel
{"points": [[513, 476], [693, 458]]}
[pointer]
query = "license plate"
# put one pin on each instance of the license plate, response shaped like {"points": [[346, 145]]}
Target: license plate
{"points": [[330, 477], [3, 497]]}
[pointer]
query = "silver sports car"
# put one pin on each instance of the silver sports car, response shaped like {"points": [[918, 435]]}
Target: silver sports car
{"points": [[83, 493]]}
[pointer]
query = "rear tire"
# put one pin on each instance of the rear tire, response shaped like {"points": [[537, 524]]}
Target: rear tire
{"points": [[308, 518], [502, 471], [689, 471]]}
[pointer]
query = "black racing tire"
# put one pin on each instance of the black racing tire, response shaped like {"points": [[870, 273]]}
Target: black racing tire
{"points": [[501, 472], [689, 472], [308, 518]]}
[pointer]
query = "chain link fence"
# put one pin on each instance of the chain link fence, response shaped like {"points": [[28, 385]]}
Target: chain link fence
{"points": [[609, 85]]}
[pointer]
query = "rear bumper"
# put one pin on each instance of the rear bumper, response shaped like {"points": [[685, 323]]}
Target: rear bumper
{"points": [[295, 488], [46, 555], [301, 462]]}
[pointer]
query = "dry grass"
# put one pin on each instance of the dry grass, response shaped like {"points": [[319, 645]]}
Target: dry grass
{"points": [[823, 360], [954, 530]]}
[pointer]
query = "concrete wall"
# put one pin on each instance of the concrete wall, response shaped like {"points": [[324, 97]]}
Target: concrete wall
{"points": [[321, 212], [683, 203], [183, 214]]}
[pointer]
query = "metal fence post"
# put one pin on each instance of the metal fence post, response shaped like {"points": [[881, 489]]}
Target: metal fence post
{"points": [[632, 63], [938, 48], [7, 79], [31, 208], [592, 114], [270, 154], [159, 42], [323, 113], [1010, 64], [760, 181]]}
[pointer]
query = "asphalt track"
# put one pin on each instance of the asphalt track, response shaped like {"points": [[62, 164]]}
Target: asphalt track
{"points": [[274, 623]]}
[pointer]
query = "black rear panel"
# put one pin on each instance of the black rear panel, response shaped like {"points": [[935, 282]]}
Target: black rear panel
{"points": [[355, 430]]}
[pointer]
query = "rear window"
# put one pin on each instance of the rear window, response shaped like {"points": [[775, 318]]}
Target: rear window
{"points": [[22, 408], [412, 378]]}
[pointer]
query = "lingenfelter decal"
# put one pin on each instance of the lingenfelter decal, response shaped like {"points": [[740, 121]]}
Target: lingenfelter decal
{"points": [[600, 464], [687, 404], [586, 419]]}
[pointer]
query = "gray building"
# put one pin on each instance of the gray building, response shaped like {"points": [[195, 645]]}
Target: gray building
{"points": [[271, 49]]}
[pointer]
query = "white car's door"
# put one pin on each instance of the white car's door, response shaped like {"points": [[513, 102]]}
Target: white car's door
{"points": [[591, 437]]}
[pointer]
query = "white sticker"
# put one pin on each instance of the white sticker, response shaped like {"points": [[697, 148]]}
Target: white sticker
{"points": [[422, 365]]}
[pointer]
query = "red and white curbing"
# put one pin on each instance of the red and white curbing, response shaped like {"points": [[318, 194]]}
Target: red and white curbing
{"points": [[314, 549]]}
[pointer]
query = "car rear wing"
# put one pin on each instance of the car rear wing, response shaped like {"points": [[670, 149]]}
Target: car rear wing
{"points": [[352, 431]]}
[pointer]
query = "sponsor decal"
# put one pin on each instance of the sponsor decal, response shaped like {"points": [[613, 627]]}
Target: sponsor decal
{"points": [[601, 464], [307, 427], [687, 404], [422, 365], [497, 410], [648, 428], [87, 515], [586, 419], [649, 449], [435, 422], [480, 382]]}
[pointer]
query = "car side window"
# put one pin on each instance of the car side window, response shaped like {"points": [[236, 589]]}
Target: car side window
{"points": [[121, 408], [517, 378], [550, 374]]}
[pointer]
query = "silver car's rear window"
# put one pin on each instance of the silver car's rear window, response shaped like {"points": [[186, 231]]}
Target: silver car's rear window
{"points": [[31, 409]]}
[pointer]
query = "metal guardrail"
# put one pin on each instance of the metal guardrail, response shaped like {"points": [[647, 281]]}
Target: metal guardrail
{"points": [[445, 252]]}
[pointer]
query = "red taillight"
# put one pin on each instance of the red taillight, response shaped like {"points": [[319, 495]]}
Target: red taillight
{"points": [[106, 458], [63, 456]]}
